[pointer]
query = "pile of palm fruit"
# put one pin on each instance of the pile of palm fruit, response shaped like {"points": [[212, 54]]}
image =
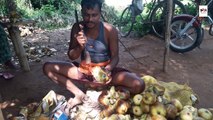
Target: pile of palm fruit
{"points": [[159, 101]]}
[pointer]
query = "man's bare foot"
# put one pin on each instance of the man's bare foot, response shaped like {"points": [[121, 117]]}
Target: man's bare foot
{"points": [[89, 103], [6, 75], [74, 101]]}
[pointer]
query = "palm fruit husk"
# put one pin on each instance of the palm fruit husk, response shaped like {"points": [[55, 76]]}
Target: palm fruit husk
{"points": [[145, 117], [181, 92], [158, 117], [205, 113], [211, 110], [149, 80], [109, 110], [171, 111], [149, 98], [122, 107], [123, 93], [104, 98], [158, 89], [99, 74]]}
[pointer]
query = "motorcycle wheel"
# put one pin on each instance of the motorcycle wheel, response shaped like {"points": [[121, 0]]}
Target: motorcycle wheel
{"points": [[190, 39]]}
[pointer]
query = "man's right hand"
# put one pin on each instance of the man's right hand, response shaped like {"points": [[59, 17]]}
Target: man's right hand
{"points": [[81, 37]]}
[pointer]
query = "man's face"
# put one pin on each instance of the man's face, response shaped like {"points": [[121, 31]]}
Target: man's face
{"points": [[91, 16]]}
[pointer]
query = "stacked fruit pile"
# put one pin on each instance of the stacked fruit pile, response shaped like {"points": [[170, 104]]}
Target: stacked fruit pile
{"points": [[115, 101], [159, 101]]}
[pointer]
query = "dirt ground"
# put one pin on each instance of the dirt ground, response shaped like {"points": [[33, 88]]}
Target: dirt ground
{"points": [[194, 68]]}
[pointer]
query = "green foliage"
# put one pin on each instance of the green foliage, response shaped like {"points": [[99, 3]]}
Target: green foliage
{"points": [[50, 18], [37, 4], [110, 14], [25, 8], [140, 27], [3, 7], [48, 11], [191, 8], [52, 13]]}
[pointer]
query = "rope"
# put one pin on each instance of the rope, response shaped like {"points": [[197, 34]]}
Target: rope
{"points": [[128, 50]]}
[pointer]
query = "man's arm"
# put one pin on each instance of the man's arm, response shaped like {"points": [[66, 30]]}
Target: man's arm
{"points": [[113, 46], [75, 48]]}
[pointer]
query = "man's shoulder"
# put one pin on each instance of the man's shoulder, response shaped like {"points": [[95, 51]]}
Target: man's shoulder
{"points": [[109, 27]]}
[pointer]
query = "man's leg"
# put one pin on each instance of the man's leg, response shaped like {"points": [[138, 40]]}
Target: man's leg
{"points": [[10, 64], [5, 51], [129, 81], [63, 73]]}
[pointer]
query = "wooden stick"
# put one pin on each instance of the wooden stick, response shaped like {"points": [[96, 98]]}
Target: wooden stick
{"points": [[167, 34], [20, 52]]}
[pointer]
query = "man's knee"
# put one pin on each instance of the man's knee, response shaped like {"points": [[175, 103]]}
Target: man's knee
{"points": [[139, 86], [46, 67]]}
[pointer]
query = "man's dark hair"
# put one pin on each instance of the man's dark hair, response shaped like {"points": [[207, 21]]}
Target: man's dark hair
{"points": [[90, 4]]}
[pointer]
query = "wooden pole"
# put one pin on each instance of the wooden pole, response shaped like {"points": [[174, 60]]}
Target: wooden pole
{"points": [[15, 36], [167, 33], [20, 51]]}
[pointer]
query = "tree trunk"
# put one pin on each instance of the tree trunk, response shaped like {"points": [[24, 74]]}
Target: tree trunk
{"points": [[20, 51], [167, 34], [15, 35]]}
